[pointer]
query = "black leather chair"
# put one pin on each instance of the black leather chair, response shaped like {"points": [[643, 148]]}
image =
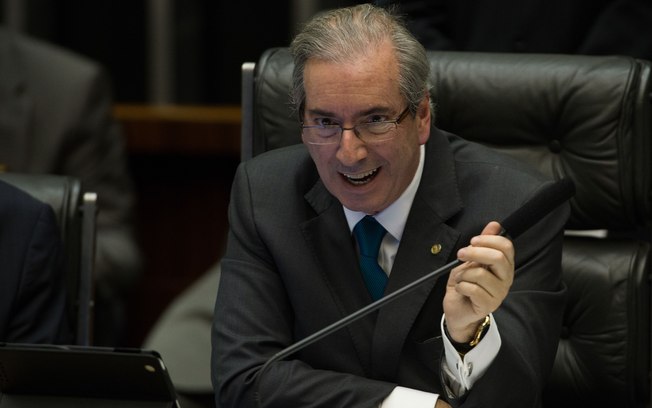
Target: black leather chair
{"points": [[76, 213], [582, 117]]}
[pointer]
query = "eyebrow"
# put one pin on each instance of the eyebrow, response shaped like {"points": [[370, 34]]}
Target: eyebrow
{"points": [[373, 110]]}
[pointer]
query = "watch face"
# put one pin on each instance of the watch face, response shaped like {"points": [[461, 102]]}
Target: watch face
{"points": [[482, 330]]}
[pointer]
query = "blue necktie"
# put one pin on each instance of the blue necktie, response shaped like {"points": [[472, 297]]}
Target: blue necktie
{"points": [[369, 234]]}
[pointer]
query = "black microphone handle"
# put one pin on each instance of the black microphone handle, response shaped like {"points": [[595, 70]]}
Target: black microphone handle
{"points": [[545, 201]]}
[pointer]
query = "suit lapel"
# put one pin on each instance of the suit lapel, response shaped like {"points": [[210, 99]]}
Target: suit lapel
{"points": [[436, 201], [329, 238]]}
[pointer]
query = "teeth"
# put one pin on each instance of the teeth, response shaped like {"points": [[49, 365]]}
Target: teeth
{"points": [[361, 178]]}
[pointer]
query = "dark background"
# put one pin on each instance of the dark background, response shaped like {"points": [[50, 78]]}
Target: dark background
{"points": [[210, 39]]}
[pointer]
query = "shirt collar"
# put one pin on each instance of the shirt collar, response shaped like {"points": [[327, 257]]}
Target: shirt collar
{"points": [[394, 217]]}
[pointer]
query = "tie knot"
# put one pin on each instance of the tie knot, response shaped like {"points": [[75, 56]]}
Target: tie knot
{"points": [[369, 234]]}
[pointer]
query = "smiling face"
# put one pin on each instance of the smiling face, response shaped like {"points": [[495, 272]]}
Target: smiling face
{"points": [[365, 177]]}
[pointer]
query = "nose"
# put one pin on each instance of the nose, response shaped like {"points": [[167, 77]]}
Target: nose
{"points": [[351, 149]]}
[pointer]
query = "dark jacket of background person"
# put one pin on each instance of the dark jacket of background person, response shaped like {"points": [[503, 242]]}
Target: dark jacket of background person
{"points": [[591, 27], [32, 282], [55, 117]]}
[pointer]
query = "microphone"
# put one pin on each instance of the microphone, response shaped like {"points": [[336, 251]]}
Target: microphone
{"points": [[549, 197]]}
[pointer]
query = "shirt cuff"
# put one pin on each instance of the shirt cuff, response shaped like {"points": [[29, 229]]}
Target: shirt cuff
{"points": [[464, 372], [402, 397]]}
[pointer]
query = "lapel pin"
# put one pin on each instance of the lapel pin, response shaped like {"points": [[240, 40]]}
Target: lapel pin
{"points": [[435, 249]]}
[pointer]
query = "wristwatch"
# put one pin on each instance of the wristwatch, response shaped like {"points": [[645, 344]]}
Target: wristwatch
{"points": [[463, 348]]}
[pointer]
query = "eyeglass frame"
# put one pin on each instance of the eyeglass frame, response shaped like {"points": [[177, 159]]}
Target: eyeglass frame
{"points": [[396, 122]]}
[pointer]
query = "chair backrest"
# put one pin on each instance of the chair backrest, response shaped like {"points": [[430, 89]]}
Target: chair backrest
{"points": [[76, 215], [582, 117]]}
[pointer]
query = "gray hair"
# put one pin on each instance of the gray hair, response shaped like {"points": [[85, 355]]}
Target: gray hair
{"points": [[342, 35]]}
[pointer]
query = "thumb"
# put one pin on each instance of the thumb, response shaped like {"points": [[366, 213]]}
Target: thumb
{"points": [[493, 228]]}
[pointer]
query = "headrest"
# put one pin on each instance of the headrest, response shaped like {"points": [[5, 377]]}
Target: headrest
{"points": [[582, 117]]}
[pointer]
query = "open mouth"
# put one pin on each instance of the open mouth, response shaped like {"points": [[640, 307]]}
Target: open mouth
{"points": [[363, 178]]}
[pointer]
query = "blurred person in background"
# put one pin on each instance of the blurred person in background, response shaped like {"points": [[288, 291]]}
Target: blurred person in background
{"points": [[32, 281], [55, 118]]}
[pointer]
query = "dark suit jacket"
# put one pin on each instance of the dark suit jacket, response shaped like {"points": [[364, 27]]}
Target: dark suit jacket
{"points": [[32, 282], [290, 269], [56, 118], [592, 27]]}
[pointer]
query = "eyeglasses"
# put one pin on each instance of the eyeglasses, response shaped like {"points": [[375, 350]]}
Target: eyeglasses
{"points": [[368, 132]]}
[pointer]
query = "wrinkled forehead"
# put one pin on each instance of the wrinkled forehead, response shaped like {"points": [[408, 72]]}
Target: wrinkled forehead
{"points": [[365, 81]]}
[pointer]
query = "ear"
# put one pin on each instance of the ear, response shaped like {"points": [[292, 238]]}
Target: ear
{"points": [[423, 118]]}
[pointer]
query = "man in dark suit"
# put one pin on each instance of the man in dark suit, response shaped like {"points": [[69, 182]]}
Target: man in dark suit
{"points": [[484, 335], [55, 118], [589, 27], [32, 291]]}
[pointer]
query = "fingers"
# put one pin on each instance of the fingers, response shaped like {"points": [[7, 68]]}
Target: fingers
{"points": [[487, 273], [489, 249], [493, 228], [473, 295], [484, 291], [494, 256]]}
